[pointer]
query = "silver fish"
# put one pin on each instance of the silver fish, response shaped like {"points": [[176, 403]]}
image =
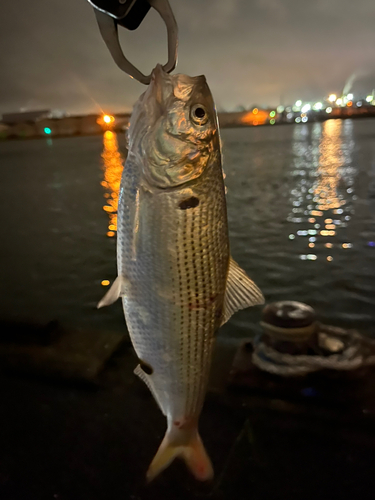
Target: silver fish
{"points": [[177, 281]]}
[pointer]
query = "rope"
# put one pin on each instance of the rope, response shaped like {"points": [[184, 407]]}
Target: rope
{"points": [[272, 361]]}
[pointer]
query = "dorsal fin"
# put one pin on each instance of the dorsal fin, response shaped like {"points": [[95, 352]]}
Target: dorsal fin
{"points": [[241, 291]]}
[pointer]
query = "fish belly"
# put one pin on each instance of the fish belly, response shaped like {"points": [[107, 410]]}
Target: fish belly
{"points": [[173, 251]]}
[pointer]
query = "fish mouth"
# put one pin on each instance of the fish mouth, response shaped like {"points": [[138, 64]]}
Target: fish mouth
{"points": [[180, 86], [160, 81], [159, 76]]}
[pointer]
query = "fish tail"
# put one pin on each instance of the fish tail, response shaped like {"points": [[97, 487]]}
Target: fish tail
{"points": [[184, 443]]}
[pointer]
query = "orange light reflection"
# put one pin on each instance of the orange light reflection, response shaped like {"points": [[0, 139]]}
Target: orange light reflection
{"points": [[325, 190], [113, 166]]}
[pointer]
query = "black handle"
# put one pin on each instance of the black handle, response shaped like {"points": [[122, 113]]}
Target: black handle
{"points": [[128, 13]]}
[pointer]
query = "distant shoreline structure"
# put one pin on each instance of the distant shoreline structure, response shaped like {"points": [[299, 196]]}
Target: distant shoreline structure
{"points": [[39, 124]]}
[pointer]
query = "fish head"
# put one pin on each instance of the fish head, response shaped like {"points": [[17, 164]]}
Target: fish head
{"points": [[182, 133]]}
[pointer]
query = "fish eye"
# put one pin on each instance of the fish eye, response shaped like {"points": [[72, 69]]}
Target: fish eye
{"points": [[199, 114]]}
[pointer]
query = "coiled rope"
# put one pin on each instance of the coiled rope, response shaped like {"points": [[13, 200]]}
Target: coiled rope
{"points": [[354, 355]]}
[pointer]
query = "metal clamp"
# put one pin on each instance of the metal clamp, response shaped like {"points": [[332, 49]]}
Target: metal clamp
{"points": [[109, 31]]}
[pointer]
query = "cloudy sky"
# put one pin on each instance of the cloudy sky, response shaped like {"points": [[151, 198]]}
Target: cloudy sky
{"points": [[251, 51]]}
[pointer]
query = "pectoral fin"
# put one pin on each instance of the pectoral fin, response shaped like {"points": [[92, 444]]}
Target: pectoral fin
{"points": [[117, 290], [241, 291]]}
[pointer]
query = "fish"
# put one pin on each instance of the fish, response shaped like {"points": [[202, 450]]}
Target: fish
{"points": [[176, 278]]}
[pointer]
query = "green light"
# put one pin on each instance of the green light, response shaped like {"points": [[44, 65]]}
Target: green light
{"points": [[272, 122], [47, 130], [273, 113]]}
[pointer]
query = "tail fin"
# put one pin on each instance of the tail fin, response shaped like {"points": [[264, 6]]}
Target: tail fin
{"points": [[185, 443]]}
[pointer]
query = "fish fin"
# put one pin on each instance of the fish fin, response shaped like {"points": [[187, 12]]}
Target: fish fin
{"points": [[186, 444], [117, 290], [147, 380], [241, 291]]}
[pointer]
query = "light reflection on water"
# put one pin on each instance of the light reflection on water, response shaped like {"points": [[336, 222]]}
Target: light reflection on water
{"points": [[323, 192], [113, 164], [56, 252]]}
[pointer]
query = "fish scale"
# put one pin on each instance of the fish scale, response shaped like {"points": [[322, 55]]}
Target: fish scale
{"points": [[173, 256]]}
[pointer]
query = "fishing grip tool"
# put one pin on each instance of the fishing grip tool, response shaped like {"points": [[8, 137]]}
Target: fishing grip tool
{"points": [[129, 14]]}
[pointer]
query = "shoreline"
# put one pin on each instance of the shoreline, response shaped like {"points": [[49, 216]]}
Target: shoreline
{"points": [[226, 120]]}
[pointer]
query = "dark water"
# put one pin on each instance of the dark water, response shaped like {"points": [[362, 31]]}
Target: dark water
{"points": [[301, 207]]}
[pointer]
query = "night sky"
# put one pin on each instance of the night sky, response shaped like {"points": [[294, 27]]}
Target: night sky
{"points": [[252, 52]]}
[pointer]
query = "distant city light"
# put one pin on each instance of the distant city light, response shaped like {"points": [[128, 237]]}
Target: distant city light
{"points": [[272, 122], [349, 103], [255, 111], [304, 119], [298, 119], [332, 98], [299, 103], [309, 256], [291, 236], [339, 101], [47, 130], [369, 98], [318, 106], [358, 104], [273, 113], [280, 109], [329, 109], [108, 119], [329, 258], [289, 116], [105, 282], [306, 108], [350, 97]]}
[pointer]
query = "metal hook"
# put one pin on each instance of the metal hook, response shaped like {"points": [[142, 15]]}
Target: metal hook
{"points": [[109, 32]]}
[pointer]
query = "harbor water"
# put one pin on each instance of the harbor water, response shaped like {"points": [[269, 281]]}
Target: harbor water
{"points": [[301, 210]]}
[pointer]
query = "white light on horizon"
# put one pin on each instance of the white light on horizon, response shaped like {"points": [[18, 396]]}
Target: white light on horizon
{"points": [[305, 108], [329, 109]]}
